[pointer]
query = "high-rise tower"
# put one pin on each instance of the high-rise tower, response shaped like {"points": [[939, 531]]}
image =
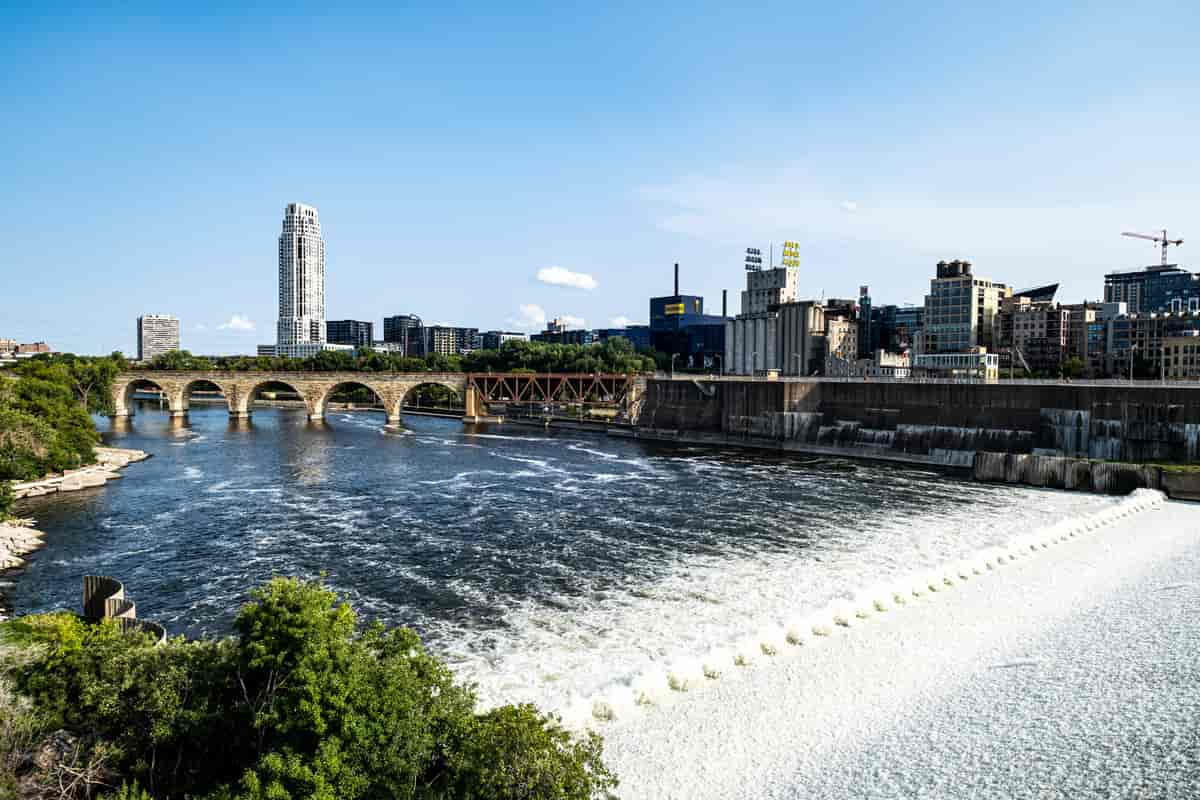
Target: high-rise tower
{"points": [[301, 330]]}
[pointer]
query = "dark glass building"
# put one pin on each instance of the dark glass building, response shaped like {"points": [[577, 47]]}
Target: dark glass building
{"points": [[349, 331], [679, 326], [638, 335], [1154, 289], [405, 330]]}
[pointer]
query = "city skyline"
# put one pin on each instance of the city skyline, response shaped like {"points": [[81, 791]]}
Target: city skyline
{"points": [[461, 178]]}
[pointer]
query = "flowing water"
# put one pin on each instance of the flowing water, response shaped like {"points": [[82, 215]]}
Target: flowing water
{"points": [[584, 573]]}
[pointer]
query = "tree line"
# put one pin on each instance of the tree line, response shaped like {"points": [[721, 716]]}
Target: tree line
{"points": [[300, 702], [614, 355]]}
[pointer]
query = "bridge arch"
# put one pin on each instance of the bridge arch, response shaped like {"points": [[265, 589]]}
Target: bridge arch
{"points": [[242, 402], [202, 384], [383, 395], [123, 391], [412, 392]]}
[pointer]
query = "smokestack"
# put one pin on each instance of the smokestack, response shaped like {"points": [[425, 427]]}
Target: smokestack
{"points": [[677, 279], [724, 302]]}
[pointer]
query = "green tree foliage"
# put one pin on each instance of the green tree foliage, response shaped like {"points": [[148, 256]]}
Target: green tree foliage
{"points": [[299, 703], [43, 428], [179, 360], [6, 499], [1073, 367], [615, 355]]}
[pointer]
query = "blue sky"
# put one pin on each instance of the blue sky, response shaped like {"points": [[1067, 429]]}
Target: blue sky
{"points": [[457, 150]]}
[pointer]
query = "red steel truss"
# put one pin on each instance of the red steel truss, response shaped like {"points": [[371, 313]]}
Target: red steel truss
{"points": [[551, 388]]}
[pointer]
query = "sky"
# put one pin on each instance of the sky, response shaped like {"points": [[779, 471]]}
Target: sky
{"points": [[494, 165]]}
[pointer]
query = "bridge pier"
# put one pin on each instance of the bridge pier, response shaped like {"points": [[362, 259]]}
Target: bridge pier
{"points": [[471, 405]]}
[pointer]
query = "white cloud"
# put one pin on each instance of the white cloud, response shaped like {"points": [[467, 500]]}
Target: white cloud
{"points": [[530, 316], [572, 321], [200, 326], [624, 322], [237, 323], [561, 276], [849, 206]]}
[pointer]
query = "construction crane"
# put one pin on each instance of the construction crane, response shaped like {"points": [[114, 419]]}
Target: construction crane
{"points": [[1163, 240]]}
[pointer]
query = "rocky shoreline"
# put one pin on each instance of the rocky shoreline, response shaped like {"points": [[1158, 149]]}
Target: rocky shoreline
{"points": [[109, 462], [19, 537]]}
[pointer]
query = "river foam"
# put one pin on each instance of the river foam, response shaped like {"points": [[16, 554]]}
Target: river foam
{"points": [[710, 618]]}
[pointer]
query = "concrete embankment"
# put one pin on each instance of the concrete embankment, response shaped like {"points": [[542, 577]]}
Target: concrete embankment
{"points": [[1058, 472], [1052, 472]]}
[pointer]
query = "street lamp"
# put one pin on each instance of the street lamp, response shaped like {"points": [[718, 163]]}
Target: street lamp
{"points": [[1132, 347], [673, 357]]}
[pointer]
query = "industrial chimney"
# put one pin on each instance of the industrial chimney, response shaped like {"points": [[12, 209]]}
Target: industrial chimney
{"points": [[724, 302], [677, 279]]}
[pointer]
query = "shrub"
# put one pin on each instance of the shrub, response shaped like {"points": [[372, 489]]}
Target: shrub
{"points": [[298, 704]]}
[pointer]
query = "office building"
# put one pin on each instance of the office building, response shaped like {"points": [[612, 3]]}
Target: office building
{"points": [[977, 365], [301, 326], [636, 335], [1137, 341], [1156, 289], [1181, 356], [1032, 334], [959, 309], [405, 330], [156, 334], [447, 340], [841, 343], [491, 340], [353, 332], [557, 332]]}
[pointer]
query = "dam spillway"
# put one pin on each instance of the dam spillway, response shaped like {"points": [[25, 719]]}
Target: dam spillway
{"points": [[939, 422]]}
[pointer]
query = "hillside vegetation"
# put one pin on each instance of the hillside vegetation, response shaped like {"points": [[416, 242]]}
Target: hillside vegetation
{"points": [[299, 703]]}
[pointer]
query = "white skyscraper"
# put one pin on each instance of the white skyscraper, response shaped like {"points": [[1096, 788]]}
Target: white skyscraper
{"points": [[156, 334], [301, 330]]}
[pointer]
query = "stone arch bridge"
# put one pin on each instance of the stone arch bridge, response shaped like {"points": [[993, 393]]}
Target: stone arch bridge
{"points": [[316, 388]]}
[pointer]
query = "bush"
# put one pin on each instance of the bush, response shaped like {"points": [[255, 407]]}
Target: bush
{"points": [[298, 704]]}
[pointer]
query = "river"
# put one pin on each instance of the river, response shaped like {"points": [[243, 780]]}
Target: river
{"points": [[575, 571]]}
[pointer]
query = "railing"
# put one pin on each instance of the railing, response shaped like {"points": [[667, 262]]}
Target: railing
{"points": [[1149, 382]]}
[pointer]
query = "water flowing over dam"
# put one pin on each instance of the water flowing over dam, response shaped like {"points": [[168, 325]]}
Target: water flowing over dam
{"points": [[938, 423]]}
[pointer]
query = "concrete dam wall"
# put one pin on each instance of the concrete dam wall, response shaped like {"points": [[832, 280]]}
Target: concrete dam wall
{"points": [[942, 423]]}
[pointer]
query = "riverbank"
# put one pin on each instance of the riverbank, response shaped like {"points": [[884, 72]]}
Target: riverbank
{"points": [[109, 462], [19, 537], [1068, 672]]}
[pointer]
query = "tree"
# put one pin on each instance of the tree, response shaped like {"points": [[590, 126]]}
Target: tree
{"points": [[299, 703], [180, 360], [6, 498], [1073, 367]]}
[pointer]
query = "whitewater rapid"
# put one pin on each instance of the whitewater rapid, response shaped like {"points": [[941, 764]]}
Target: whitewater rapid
{"points": [[602, 659]]}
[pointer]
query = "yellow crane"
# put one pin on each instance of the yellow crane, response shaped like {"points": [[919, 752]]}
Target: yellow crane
{"points": [[1163, 240]]}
